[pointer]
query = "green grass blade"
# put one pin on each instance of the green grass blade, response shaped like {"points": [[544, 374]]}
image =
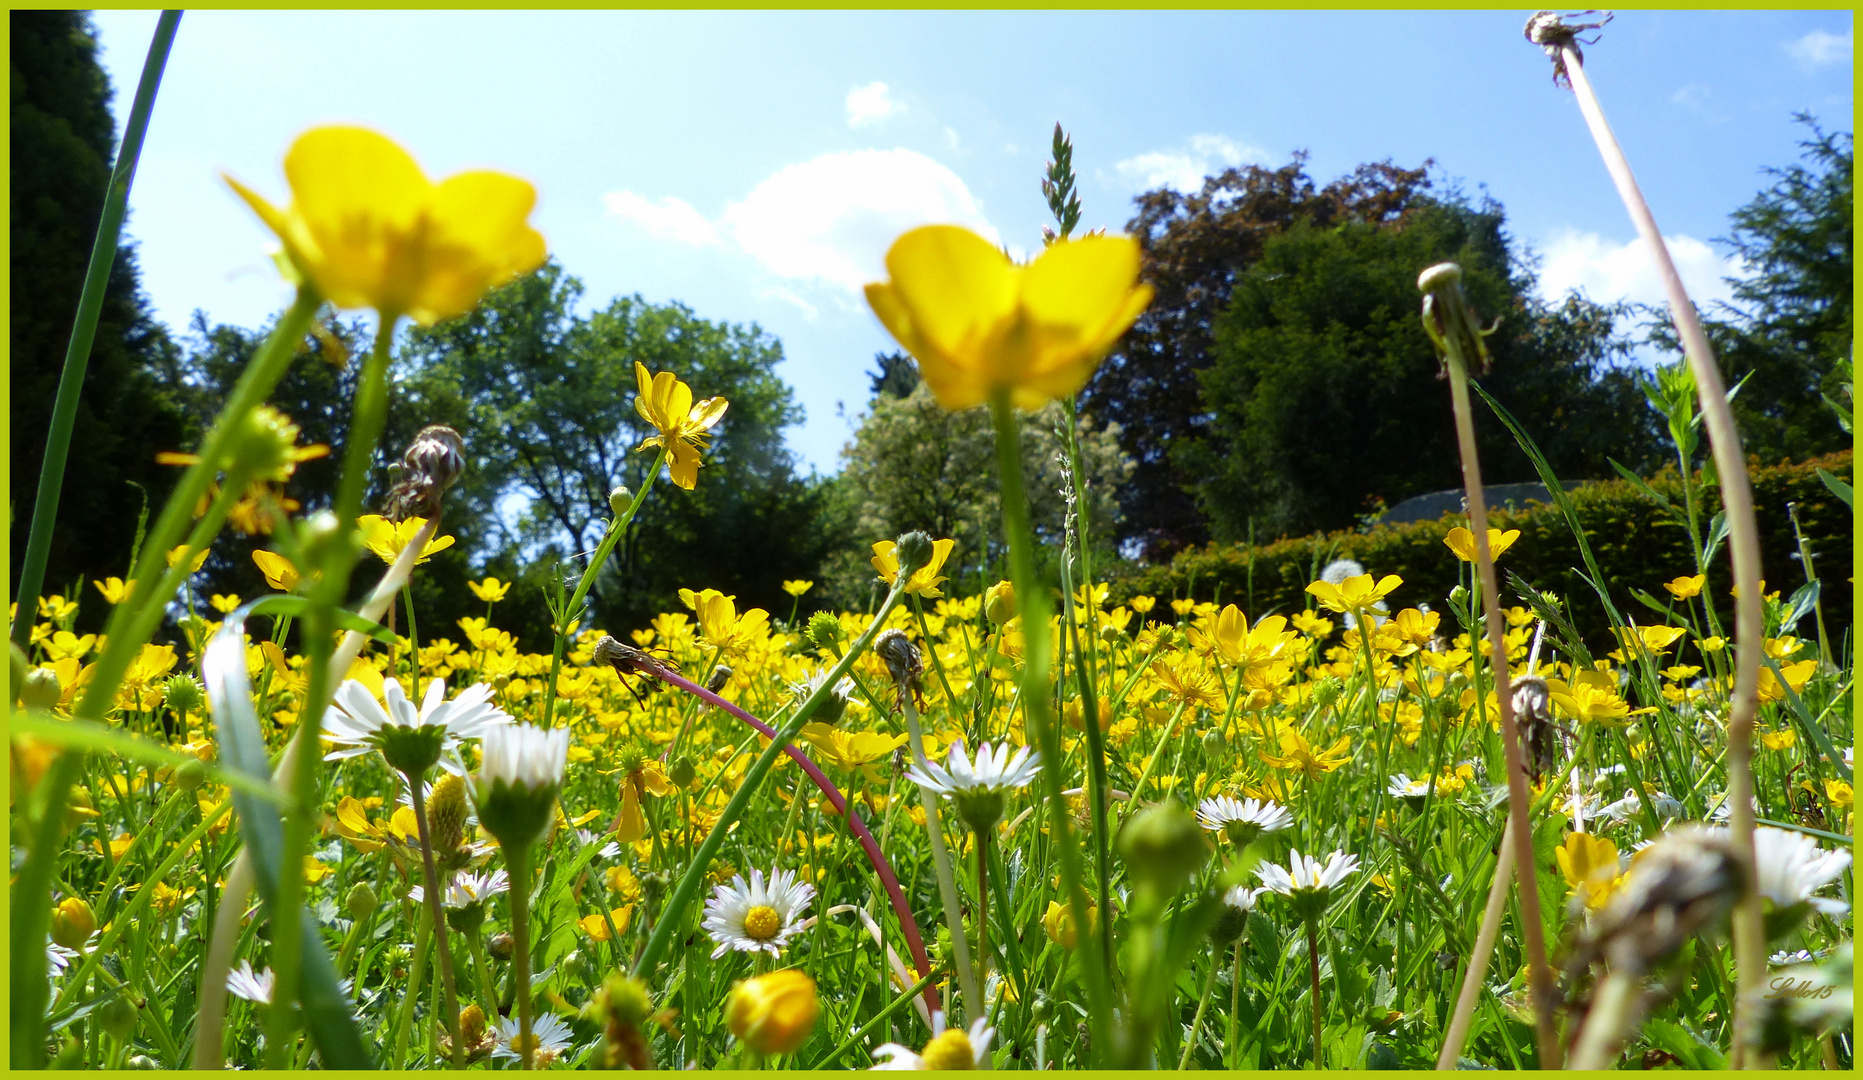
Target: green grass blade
{"points": [[327, 1014]]}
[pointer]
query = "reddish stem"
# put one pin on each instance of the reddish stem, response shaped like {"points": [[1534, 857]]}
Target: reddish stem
{"points": [[914, 942]]}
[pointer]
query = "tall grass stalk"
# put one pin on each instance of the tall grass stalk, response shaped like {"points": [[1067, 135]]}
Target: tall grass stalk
{"points": [[1452, 326], [1743, 546], [84, 330], [1037, 704]]}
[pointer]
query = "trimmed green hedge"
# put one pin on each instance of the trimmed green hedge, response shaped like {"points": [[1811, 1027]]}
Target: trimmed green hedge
{"points": [[1637, 543]]}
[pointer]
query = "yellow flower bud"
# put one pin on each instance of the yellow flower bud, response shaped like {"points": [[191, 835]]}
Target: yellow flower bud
{"points": [[774, 1013], [73, 922], [999, 602]]}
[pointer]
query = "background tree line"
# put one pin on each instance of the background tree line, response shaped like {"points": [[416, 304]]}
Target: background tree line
{"points": [[1279, 384]]}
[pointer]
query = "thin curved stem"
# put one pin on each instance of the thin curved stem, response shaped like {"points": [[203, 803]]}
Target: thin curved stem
{"points": [[1749, 932], [437, 909], [888, 879]]}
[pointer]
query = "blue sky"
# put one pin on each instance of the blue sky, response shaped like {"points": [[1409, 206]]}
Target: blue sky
{"points": [[756, 165]]}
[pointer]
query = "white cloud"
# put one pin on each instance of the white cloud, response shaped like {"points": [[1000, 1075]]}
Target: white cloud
{"points": [[671, 218], [1821, 49], [825, 221], [1692, 96], [1606, 271], [831, 219], [1185, 168], [871, 104]]}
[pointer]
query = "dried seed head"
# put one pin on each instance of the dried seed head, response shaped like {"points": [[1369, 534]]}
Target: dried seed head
{"points": [[433, 461], [1533, 713], [720, 676], [902, 659], [1550, 31], [1682, 885]]}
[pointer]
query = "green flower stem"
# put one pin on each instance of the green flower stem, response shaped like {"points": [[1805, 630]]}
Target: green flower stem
{"points": [[1087, 672], [1038, 713], [1196, 1022], [417, 971], [616, 528], [368, 415], [1460, 345], [941, 865], [1235, 1006], [436, 908], [931, 646], [84, 331], [486, 990], [1473, 980], [31, 906], [1313, 972], [407, 596], [1749, 932], [673, 914], [517, 863]]}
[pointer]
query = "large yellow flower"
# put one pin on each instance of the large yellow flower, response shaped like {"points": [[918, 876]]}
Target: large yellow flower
{"points": [[979, 324], [369, 230], [1354, 593], [1462, 542], [926, 580], [1247, 647], [387, 538], [1590, 866], [683, 427], [1300, 756]]}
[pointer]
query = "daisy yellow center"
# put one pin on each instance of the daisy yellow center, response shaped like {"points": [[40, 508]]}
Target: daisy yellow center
{"points": [[762, 922], [950, 1050]]}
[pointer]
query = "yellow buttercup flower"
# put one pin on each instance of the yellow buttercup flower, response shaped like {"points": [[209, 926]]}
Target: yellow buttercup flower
{"points": [[926, 581], [666, 403], [369, 230], [1059, 923], [1796, 676], [852, 750], [774, 1013], [114, 589], [194, 567], [597, 927], [1654, 639], [491, 590], [278, 571], [797, 588], [1589, 697], [1589, 865], [1354, 593], [1684, 588], [721, 624], [1462, 542], [387, 538], [980, 325], [1298, 755]]}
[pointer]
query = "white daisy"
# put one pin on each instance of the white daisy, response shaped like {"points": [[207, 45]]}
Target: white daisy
{"points": [[1242, 898], [243, 982], [1781, 958], [1792, 867], [525, 755], [977, 788], [550, 1039], [1403, 787], [468, 889], [1630, 807], [57, 957], [357, 723], [1242, 820], [1307, 881], [756, 917], [949, 1048]]}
